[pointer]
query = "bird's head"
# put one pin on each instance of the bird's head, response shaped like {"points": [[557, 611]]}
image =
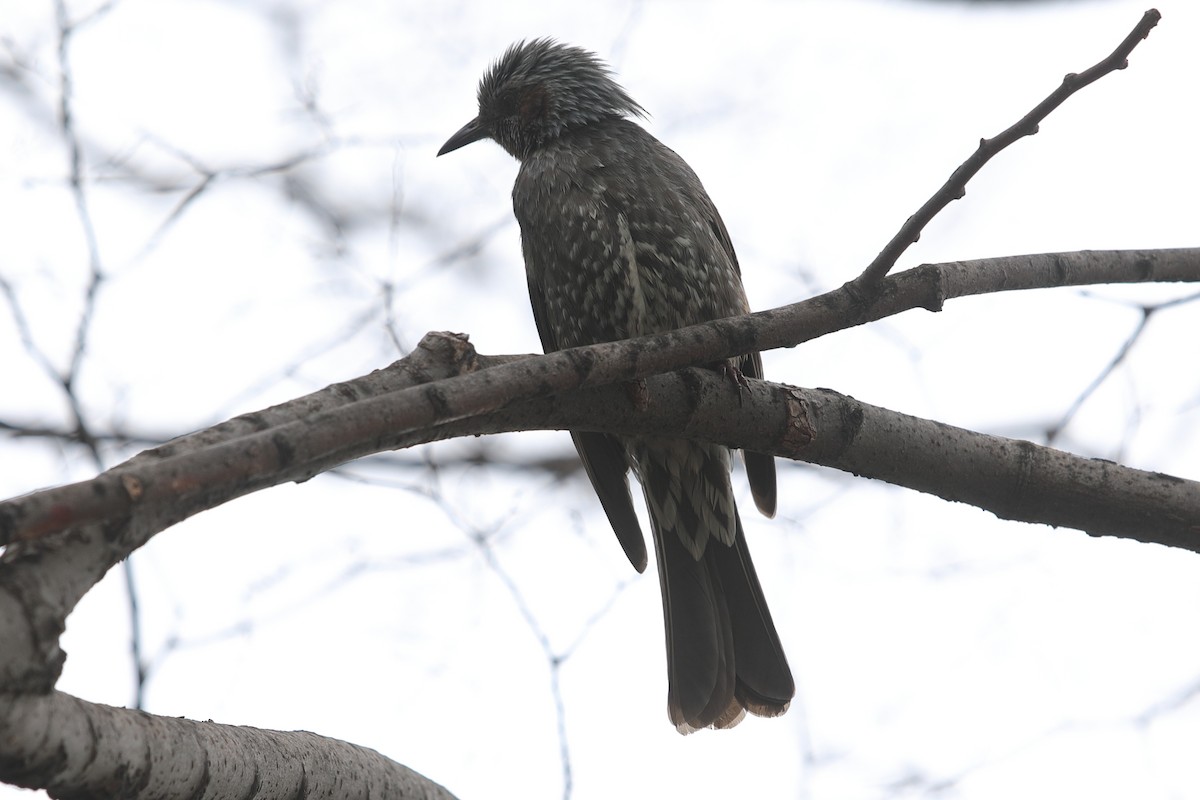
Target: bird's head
{"points": [[537, 90]]}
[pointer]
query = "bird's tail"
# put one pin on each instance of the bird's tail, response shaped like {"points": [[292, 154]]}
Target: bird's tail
{"points": [[723, 654]]}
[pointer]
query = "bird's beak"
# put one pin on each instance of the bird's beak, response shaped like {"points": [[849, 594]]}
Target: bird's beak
{"points": [[473, 131]]}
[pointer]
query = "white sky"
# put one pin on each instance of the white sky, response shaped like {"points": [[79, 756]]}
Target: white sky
{"points": [[933, 645]]}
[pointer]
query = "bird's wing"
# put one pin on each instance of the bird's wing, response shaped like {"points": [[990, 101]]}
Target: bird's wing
{"points": [[722, 233], [603, 458], [604, 461], [760, 468]]}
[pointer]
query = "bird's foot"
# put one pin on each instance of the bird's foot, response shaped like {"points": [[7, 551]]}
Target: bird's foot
{"points": [[733, 373], [639, 395]]}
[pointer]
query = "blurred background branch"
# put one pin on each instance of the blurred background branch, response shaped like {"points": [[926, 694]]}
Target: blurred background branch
{"points": [[208, 208]]}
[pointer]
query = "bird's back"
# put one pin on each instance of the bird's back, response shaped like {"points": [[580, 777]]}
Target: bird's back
{"points": [[620, 238]]}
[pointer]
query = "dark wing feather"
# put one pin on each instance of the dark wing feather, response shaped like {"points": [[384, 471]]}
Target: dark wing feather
{"points": [[760, 468], [603, 459]]}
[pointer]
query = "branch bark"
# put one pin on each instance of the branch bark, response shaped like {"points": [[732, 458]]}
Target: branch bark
{"points": [[443, 382], [74, 748]]}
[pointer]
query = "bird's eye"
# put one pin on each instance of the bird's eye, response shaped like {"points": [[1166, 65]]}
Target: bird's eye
{"points": [[534, 104], [504, 105]]}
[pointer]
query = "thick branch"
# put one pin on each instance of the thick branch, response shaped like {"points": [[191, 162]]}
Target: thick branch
{"points": [[296, 440], [1013, 479], [74, 748]]}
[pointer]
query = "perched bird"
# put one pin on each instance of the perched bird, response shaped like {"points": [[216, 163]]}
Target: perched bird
{"points": [[621, 240]]}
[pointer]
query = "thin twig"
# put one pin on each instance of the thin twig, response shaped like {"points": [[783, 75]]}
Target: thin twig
{"points": [[956, 187], [1147, 311], [96, 278]]}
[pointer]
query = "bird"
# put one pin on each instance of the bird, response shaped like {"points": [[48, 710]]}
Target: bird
{"points": [[620, 240]]}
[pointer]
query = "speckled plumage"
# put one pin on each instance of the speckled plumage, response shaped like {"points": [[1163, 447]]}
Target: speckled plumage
{"points": [[621, 240]]}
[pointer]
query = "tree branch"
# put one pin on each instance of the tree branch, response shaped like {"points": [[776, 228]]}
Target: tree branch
{"points": [[955, 188], [415, 401], [74, 748]]}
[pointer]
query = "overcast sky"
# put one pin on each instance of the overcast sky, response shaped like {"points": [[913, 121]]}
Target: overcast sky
{"points": [[263, 200]]}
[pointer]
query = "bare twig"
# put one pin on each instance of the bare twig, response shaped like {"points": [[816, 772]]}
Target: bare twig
{"points": [[96, 278], [1148, 311], [956, 187]]}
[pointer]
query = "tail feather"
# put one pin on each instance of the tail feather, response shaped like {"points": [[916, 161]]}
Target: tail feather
{"points": [[723, 654], [701, 673], [764, 681]]}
